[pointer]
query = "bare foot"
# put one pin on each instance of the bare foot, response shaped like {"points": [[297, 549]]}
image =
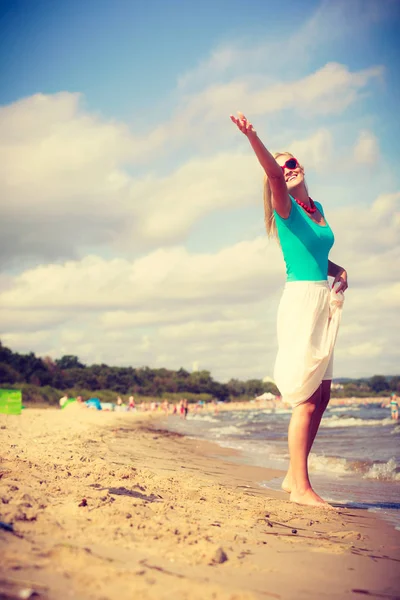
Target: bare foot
{"points": [[310, 498], [287, 484]]}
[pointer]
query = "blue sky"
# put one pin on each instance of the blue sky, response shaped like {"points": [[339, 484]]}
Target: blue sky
{"points": [[133, 225], [126, 55], [122, 55]]}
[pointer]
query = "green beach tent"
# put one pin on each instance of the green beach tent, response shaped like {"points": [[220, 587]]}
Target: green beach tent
{"points": [[10, 402], [68, 402]]}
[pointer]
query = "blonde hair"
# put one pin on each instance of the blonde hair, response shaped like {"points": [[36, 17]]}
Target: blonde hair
{"points": [[269, 217]]}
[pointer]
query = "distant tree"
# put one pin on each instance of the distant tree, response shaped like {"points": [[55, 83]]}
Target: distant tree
{"points": [[394, 384], [69, 372], [69, 361], [170, 385], [236, 387], [8, 374], [351, 389], [182, 373], [378, 383], [41, 377], [219, 391], [254, 387], [50, 363], [6, 355]]}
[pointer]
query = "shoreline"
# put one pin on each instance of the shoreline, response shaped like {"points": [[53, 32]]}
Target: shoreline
{"points": [[115, 506], [232, 405]]}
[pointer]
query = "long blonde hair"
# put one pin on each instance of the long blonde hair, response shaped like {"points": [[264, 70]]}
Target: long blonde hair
{"points": [[269, 217]]}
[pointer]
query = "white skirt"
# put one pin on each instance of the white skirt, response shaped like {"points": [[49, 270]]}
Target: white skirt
{"points": [[308, 322]]}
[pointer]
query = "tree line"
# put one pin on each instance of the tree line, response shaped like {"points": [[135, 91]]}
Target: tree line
{"points": [[68, 372]]}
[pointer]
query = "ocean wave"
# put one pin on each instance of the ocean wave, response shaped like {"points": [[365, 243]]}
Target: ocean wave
{"points": [[227, 430], [276, 411], [336, 421], [255, 449], [333, 464], [206, 418], [384, 471], [379, 471], [344, 408]]}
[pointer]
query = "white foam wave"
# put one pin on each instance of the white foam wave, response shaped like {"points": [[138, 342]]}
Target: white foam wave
{"points": [[256, 449], [336, 421], [228, 430], [276, 411], [384, 471], [322, 464], [206, 418], [380, 471], [337, 409]]}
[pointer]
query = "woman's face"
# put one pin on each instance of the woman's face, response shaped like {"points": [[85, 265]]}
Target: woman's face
{"points": [[293, 176]]}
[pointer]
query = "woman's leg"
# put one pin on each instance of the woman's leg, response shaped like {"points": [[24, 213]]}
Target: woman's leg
{"points": [[300, 429], [298, 437], [320, 407]]}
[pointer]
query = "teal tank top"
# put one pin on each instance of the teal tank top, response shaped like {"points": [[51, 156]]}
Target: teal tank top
{"points": [[305, 245]]}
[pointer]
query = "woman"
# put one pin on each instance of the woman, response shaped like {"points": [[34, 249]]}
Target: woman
{"points": [[309, 312]]}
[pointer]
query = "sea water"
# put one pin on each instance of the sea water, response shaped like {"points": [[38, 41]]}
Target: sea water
{"points": [[355, 460]]}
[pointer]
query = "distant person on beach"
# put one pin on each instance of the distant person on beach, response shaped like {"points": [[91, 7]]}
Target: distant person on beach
{"points": [[63, 401], [180, 408], [394, 407], [185, 408], [131, 404], [309, 312], [215, 407]]}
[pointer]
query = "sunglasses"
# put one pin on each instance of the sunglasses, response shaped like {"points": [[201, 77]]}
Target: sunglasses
{"points": [[291, 163]]}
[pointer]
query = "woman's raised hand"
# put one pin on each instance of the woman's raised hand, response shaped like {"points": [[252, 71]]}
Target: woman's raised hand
{"points": [[243, 124]]}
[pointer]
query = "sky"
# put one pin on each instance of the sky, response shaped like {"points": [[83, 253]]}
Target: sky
{"points": [[131, 228]]}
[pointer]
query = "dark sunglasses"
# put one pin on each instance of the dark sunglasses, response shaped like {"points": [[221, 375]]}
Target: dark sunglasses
{"points": [[291, 163]]}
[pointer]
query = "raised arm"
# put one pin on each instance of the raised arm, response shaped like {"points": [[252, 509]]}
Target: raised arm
{"points": [[280, 196]]}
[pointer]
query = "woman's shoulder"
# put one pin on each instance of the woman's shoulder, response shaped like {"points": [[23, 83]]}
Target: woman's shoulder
{"points": [[291, 214]]}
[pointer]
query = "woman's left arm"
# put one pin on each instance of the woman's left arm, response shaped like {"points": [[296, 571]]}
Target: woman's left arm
{"points": [[339, 274]]}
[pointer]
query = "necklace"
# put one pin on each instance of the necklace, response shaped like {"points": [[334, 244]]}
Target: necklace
{"points": [[310, 209]]}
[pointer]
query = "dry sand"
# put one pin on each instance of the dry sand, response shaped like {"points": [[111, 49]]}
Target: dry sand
{"points": [[110, 506]]}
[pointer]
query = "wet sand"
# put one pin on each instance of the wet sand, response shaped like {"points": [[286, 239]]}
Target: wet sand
{"points": [[110, 506]]}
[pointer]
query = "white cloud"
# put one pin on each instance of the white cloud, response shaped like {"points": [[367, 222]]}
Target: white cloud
{"points": [[27, 339], [166, 275], [390, 297], [329, 90], [14, 321], [65, 189], [315, 152], [360, 351], [366, 150], [66, 184], [331, 23], [172, 308]]}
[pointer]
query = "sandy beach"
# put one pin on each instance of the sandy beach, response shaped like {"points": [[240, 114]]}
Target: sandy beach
{"points": [[111, 506]]}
